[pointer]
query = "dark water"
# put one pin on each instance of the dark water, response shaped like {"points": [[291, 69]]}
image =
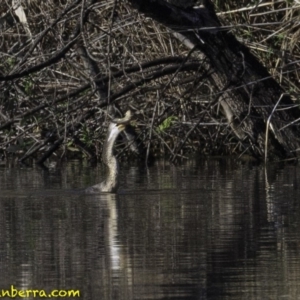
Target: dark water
{"points": [[215, 229]]}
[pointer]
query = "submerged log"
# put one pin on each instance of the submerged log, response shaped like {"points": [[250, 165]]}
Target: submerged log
{"points": [[259, 112]]}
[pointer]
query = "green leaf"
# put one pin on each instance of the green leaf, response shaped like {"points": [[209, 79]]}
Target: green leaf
{"points": [[167, 123]]}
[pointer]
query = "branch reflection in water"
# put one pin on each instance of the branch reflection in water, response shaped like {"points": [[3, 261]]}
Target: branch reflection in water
{"points": [[209, 229]]}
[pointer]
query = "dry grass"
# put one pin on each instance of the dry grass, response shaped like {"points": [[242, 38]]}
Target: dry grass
{"points": [[271, 30], [58, 103]]}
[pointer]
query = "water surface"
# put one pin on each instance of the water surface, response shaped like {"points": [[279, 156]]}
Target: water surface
{"points": [[212, 229]]}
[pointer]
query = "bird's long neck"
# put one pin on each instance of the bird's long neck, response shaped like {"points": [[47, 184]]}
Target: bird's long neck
{"points": [[110, 160]]}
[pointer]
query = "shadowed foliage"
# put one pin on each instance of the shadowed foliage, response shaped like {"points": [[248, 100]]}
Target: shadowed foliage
{"points": [[202, 91]]}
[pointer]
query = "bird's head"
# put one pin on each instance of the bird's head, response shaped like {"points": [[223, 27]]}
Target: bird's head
{"points": [[118, 125], [114, 129]]}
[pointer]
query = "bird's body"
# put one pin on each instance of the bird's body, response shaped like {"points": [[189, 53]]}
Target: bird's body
{"points": [[110, 184]]}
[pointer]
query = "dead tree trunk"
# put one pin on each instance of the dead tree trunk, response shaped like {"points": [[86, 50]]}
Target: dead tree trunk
{"points": [[256, 107]]}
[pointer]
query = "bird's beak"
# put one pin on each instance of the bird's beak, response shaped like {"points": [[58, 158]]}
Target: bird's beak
{"points": [[121, 127]]}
